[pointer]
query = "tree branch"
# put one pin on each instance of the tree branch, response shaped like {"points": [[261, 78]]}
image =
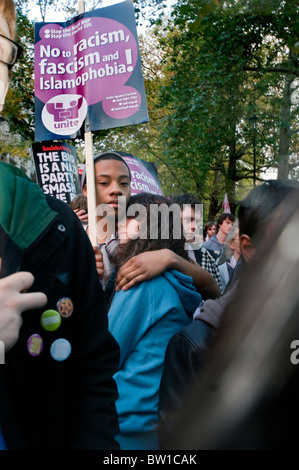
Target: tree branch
{"points": [[273, 69]]}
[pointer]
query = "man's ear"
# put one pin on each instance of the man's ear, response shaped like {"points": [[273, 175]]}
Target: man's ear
{"points": [[247, 248], [84, 190]]}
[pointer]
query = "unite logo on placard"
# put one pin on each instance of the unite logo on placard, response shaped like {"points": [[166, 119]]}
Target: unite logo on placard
{"points": [[64, 114]]}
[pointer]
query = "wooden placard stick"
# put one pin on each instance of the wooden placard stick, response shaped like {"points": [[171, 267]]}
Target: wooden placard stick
{"points": [[90, 175]]}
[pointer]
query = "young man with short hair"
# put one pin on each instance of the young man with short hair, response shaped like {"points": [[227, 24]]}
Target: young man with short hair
{"points": [[216, 244]]}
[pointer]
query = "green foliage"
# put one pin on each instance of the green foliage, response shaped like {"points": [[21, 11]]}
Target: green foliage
{"points": [[228, 61], [19, 106], [208, 70]]}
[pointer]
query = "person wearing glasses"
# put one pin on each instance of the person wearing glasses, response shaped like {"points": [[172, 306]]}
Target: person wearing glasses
{"points": [[230, 255], [13, 299], [56, 386]]}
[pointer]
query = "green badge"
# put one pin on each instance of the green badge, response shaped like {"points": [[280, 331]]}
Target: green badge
{"points": [[50, 320]]}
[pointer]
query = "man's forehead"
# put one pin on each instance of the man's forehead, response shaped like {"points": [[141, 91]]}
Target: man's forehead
{"points": [[110, 167], [188, 212], [106, 175]]}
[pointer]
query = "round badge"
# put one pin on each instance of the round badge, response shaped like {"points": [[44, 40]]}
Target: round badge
{"points": [[50, 320], [60, 349], [35, 345], [65, 307]]}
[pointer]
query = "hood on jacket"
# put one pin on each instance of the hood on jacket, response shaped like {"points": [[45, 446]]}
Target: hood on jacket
{"points": [[211, 311], [183, 284], [24, 212]]}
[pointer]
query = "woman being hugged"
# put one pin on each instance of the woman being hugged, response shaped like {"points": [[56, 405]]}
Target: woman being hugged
{"points": [[145, 317]]}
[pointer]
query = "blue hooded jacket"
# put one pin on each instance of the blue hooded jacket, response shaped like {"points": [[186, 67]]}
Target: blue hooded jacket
{"points": [[143, 320]]}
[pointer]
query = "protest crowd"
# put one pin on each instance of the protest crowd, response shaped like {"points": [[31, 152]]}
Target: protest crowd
{"points": [[160, 336]]}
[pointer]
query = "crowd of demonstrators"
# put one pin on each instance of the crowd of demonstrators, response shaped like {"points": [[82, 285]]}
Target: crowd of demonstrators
{"points": [[165, 294], [153, 270], [132, 344], [56, 387], [188, 352], [111, 174]]}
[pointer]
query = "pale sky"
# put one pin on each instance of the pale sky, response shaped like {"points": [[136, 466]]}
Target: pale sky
{"points": [[52, 14]]}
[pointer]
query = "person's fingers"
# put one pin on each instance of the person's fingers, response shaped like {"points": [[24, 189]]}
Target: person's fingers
{"points": [[20, 281], [98, 255], [79, 212], [126, 285], [32, 300], [18, 284], [97, 251], [99, 261], [124, 272], [82, 214], [129, 278]]}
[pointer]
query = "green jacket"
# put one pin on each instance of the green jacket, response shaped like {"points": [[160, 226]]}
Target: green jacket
{"points": [[25, 212], [46, 403]]}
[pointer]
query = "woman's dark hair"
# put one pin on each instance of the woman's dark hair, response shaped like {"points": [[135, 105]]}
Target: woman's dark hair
{"points": [[79, 202], [153, 233]]}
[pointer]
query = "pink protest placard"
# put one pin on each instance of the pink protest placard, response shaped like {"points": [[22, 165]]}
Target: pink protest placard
{"points": [[88, 73]]}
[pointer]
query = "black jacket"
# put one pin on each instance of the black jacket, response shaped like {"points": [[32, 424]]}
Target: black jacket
{"points": [[68, 404], [185, 355]]}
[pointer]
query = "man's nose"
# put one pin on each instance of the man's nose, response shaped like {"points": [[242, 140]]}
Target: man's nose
{"points": [[115, 188]]}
